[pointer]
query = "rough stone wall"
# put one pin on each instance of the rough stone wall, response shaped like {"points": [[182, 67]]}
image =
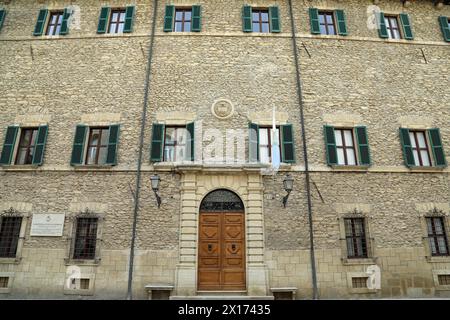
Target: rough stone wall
{"points": [[85, 77]]}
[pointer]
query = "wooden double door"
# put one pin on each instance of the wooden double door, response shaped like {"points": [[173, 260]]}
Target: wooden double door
{"points": [[221, 256]]}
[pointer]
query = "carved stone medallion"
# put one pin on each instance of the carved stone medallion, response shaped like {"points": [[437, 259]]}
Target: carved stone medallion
{"points": [[222, 109]]}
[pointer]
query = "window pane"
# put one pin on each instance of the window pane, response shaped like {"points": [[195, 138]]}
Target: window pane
{"points": [[425, 158], [179, 15], [114, 16], [323, 30], [394, 22], [421, 139], [58, 29], [350, 248], [255, 16], [169, 153], [255, 27], [120, 30], [265, 16], [329, 19], [413, 140], [95, 136], [429, 226], [178, 26], [338, 137], [181, 134], [275, 136], [122, 17], [60, 18], [396, 34], [331, 29], [53, 19], [386, 22], [187, 15], [187, 26], [348, 138], [351, 157], [438, 225], [265, 27], [102, 156], [416, 157], [92, 152], [263, 137], [264, 154], [170, 135], [179, 152], [432, 246], [442, 245], [50, 30], [21, 156], [322, 18], [340, 155]]}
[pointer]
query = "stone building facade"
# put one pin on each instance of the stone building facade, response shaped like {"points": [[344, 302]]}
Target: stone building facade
{"points": [[220, 77]]}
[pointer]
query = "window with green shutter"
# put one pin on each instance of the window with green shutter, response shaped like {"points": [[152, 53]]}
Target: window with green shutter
{"points": [[314, 20], [445, 27], [287, 144], [40, 23], [168, 18], [129, 19], [113, 142], [253, 142], [341, 22], [65, 21], [103, 20], [39, 147], [274, 18], [8, 145], [407, 148], [437, 147], [330, 145], [382, 29], [78, 145], [2, 17], [406, 25], [363, 146], [196, 18], [156, 152], [247, 18]]}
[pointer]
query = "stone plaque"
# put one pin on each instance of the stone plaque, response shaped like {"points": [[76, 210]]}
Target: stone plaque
{"points": [[222, 109], [47, 225]]}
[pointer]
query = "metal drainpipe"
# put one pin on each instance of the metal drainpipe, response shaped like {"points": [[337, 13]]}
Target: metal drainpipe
{"points": [[305, 153], [141, 146]]}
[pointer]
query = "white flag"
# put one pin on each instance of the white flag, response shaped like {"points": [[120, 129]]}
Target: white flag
{"points": [[275, 145]]}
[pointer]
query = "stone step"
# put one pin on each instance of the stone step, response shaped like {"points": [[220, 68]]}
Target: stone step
{"points": [[221, 297]]}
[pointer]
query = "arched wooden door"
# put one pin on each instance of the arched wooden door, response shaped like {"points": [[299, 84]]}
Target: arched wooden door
{"points": [[221, 249]]}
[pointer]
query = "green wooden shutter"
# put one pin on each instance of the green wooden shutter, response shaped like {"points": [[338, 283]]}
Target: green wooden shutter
{"points": [[103, 20], [436, 146], [190, 150], [196, 18], [330, 145], [247, 18], [445, 28], [65, 22], [78, 145], [314, 20], [168, 18], [2, 17], [39, 146], [407, 148], [363, 146], [8, 145], [287, 144], [406, 24], [382, 30], [129, 19], [156, 153], [341, 22], [274, 18], [113, 142], [253, 142], [40, 23]]}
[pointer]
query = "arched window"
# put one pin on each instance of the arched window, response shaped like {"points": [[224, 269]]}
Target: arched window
{"points": [[222, 200]]}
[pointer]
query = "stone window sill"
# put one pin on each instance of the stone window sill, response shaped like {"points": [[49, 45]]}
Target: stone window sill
{"points": [[443, 288], [438, 259], [361, 261], [426, 169], [20, 167], [93, 167], [5, 290], [79, 292], [93, 262], [362, 290], [10, 260], [350, 168]]}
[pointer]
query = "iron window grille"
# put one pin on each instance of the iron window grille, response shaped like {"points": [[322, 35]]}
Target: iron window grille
{"points": [[9, 236], [359, 282], [444, 279], [355, 236], [437, 237], [85, 238], [4, 282], [222, 200]]}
